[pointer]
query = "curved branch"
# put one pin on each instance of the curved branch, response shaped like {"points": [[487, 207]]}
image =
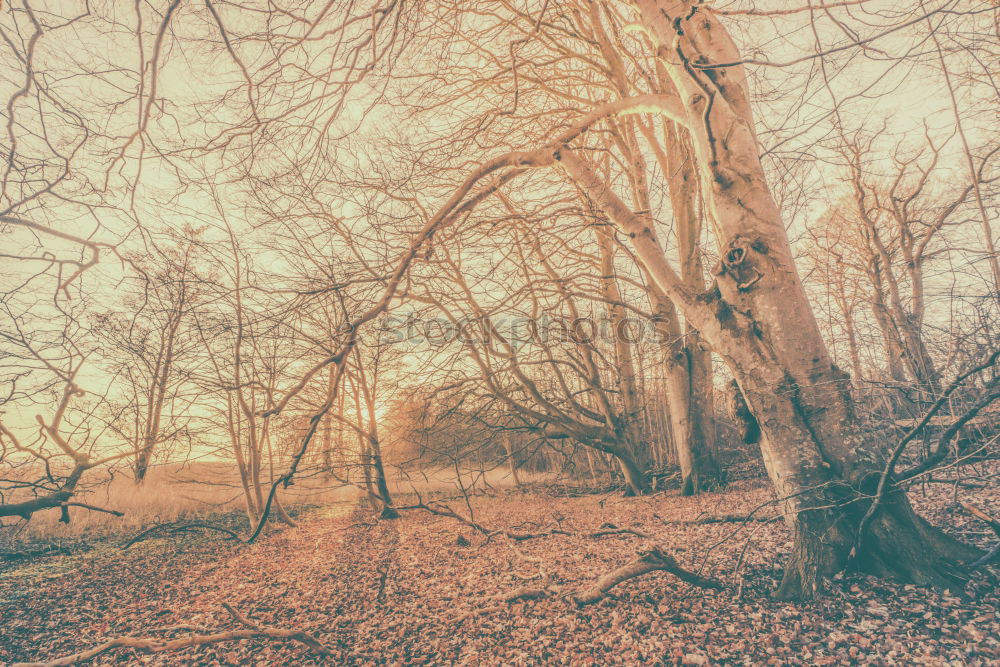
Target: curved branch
{"points": [[153, 645]]}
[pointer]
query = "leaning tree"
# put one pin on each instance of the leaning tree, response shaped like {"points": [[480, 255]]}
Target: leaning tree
{"points": [[684, 74], [824, 462], [555, 86]]}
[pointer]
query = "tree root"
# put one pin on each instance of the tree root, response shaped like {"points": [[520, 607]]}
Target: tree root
{"points": [[152, 645], [650, 560]]}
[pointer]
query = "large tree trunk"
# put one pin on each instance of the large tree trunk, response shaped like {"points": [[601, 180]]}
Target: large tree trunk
{"points": [[689, 369], [691, 425], [381, 483], [827, 470], [625, 377], [822, 464], [636, 482], [759, 320], [682, 183], [512, 460], [690, 401]]}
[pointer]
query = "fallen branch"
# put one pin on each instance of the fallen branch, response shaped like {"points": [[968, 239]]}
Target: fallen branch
{"points": [[523, 593], [994, 553], [729, 518], [152, 645], [94, 508], [439, 509], [704, 518], [961, 483], [27, 508], [521, 537], [33, 553], [611, 529], [179, 528], [650, 560]]}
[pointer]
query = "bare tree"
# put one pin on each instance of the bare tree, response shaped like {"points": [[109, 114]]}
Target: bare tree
{"points": [[631, 121], [147, 340]]}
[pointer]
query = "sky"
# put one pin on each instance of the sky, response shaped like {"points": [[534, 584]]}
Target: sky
{"points": [[128, 189]]}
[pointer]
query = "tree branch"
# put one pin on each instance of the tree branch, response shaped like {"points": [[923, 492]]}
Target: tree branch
{"points": [[648, 561], [153, 645]]}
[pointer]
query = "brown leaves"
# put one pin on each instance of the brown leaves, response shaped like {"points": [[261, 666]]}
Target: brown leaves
{"points": [[390, 592]]}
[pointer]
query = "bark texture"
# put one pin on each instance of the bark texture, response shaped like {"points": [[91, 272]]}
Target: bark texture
{"points": [[759, 320]]}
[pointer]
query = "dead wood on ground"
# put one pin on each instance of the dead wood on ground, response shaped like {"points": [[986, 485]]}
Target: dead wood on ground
{"points": [[650, 560], [153, 645], [181, 527]]}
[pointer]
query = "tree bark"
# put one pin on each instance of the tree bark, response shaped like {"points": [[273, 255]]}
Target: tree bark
{"points": [[759, 320], [512, 462], [636, 481], [629, 415], [744, 421], [690, 402], [699, 467]]}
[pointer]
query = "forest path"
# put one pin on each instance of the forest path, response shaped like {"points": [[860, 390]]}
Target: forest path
{"points": [[393, 591]]}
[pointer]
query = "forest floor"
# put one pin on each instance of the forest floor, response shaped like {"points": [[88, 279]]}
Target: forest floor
{"points": [[411, 591]]}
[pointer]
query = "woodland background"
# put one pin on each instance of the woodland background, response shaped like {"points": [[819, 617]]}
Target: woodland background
{"points": [[409, 330]]}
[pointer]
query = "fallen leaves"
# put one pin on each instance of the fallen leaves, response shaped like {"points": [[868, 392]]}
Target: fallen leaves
{"points": [[390, 592]]}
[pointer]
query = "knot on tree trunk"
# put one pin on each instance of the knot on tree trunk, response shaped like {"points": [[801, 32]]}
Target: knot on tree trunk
{"points": [[738, 264]]}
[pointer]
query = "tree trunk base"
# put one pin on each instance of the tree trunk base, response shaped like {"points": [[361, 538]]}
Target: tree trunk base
{"points": [[897, 544], [636, 483], [692, 485]]}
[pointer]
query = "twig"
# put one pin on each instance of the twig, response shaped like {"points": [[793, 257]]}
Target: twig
{"points": [[94, 508]]}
